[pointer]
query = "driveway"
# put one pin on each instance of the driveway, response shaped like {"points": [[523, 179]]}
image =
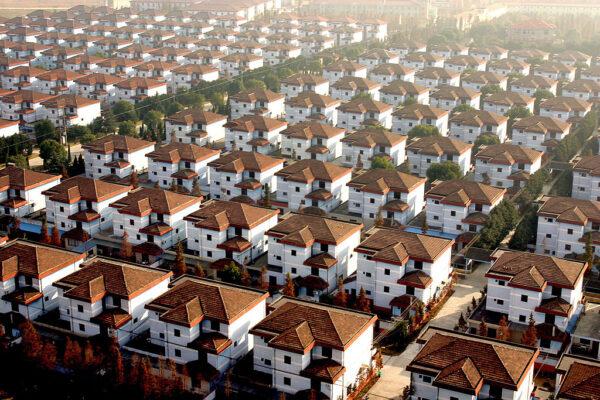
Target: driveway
{"points": [[394, 376]]}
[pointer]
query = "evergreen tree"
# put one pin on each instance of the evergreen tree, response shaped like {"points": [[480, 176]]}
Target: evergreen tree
{"points": [[196, 191], [126, 251], [589, 251], [503, 332], [180, 266], [56, 237], [245, 279], [200, 272], [133, 179], [483, 329], [31, 341], [263, 282], [462, 322], [72, 355], [44, 233], [362, 302], [529, 337], [48, 356], [289, 289], [267, 196], [341, 297]]}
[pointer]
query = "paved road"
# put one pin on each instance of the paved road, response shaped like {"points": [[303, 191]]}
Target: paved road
{"points": [[395, 377]]}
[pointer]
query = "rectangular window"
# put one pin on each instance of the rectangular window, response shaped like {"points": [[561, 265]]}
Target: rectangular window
{"points": [[386, 289], [524, 298], [79, 308], [386, 271], [410, 290], [326, 352], [287, 381], [176, 332], [500, 302], [177, 353], [522, 318], [287, 359]]}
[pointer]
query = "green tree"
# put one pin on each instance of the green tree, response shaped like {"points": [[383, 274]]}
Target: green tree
{"points": [[589, 250], [44, 130], [19, 160], [53, 154], [124, 111], [515, 113], [87, 138], [128, 128], [540, 95], [272, 82], [462, 108], [252, 84], [154, 124], [501, 220], [486, 139], [490, 89], [380, 162], [444, 171], [75, 132], [232, 273], [423, 131]]}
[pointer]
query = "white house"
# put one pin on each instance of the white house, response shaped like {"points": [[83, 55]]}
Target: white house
{"points": [[183, 165], [8, 128], [189, 75], [502, 102], [397, 268], [459, 206], [312, 140], [229, 230], [555, 70], [449, 97], [202, 320], [539, 133], [509, 66], [339, 69], [153, 215], [461, 63], [24, 106], [310, 106], [21, 190], [523, 285], [362, 146], [20, 77], [137, 89], [56, 81], [257, 101], [448, 50], [528, 85], [237, 63], [406, 118], [564, 108], [372, 58], [70, 109], [108, 298], [387, 194], [469, 125], [312, 183], [314, 250], [295, 84], [254, 133], [196, 126], [116, 155], [350, 86], [563, 226], [28, 271], [362, 111], [399, 92], [244, 175], [586, 178], [576, 377], [498, 369], [489, 53], [97, 86], [433, 77], [81, 204], [506, 165], [421, 60], [295, 345], [477, 80], [388, 73], [430, 150], [582, 89]]}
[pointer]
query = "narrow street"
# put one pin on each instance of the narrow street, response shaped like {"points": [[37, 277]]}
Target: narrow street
{"points": [[395, 377]]}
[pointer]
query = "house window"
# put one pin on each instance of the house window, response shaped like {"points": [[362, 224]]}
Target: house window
{"points": [[556, 291], [176, 332], [287, 359], [209, 237], [386, 289], [386, 271], [293, 252], [287, 381], [501, 283], [545, 343], [177, 353], [567, 247], [82, 327], [453, 213], [326, 352], [569, 231], [426, 379], [500, 302], [522, 318], [418, 265], [79, 308], [410, 290], [524, 298]]}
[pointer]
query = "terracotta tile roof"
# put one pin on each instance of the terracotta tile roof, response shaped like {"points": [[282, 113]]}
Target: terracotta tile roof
{"points": [[421, 57], [535, 271], [310, 129], [301, 79], [99, 277], [581, 381], [436, 73], [534, 82], [34, 260], [484, 78], [416, 279], [589, 165], [192, 300], [507, 64], [195, 116], [80, 188], [537, 124], [136, 82], [509, 99], [59, 74], [321, 260], [312, 99], [24, 71], [396, 246], [355, 83], [508, 154], [189, 69], [24, 179], [23, 295], [570, 210], [383, 181], [371, 138], [308, 171], [303, 230], [252, 96], [564, 103], [478, 118], [239, 161], [439, 145], [117, 143], [112, 318], [296, 325], [325, 370], [176, 152], [554, 67], [583, 86], [419, 112], [68, 101], [26, 96], [251, 123], [220, 215], [458, 191], [454, 93], [403, 88], [459, 360], [212, 342], [344, 66], [555, 306], [98, 78], [143, 201]]}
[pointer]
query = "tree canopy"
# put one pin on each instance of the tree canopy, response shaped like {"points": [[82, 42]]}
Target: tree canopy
{"points": [[423, 131], [380, 162], [53, 154], [444, 171]]}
